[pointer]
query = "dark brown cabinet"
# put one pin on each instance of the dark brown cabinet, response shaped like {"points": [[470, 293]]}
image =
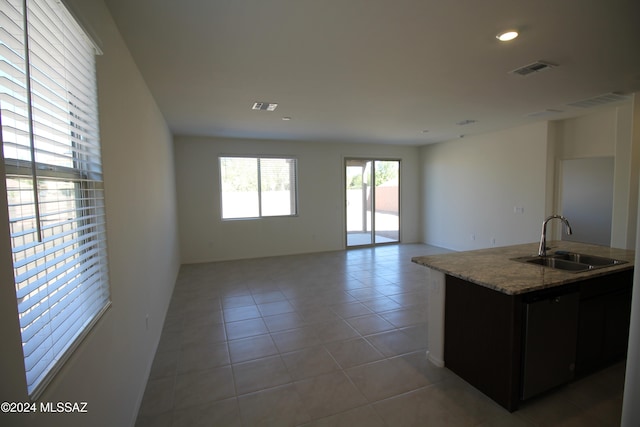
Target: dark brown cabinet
{"points": [[486, 331], [603, 328]]}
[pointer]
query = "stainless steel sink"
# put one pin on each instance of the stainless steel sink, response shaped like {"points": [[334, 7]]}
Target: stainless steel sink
{"points": [[570, 261], [595, 261], [559, 264]]}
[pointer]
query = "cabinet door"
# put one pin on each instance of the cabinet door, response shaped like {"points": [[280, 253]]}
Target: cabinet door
{"points": [[617, 312], [603, 329], [589, 354]]}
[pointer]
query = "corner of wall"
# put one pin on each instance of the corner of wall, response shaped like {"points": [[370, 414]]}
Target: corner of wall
{"points": [[552, 197], [622, 177]]}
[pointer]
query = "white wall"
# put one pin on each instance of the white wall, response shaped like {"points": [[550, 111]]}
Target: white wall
{"points": [[320, 223], [592, 135], [587, 198], [472, 185], [604, 133], [110, 368]]}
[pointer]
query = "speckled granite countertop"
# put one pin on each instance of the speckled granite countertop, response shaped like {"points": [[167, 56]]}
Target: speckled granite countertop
{"points": [[494, 268]]}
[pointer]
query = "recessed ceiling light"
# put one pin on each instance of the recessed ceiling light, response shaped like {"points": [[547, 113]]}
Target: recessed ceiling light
{"points": [[507, 35], [286, 119]]}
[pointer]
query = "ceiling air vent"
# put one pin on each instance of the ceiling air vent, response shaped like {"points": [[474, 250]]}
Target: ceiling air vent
{"points": [[532, 68], [597, 101], [264, 106]]}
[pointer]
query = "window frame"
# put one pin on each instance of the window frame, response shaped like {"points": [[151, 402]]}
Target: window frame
{"points": [[293, 183], [72, 262]]}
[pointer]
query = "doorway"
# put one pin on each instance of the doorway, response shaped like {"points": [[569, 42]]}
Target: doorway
{"points": [[372, 195], [587, 198]]}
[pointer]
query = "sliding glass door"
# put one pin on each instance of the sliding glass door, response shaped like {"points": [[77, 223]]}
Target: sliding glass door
{"points": [[372, 201]]}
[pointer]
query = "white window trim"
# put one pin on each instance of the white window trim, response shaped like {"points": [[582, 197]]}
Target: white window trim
{"points": [[260, 216]]}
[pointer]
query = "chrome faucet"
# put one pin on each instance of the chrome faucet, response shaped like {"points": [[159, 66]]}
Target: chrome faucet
{"points": [[542, 251]]}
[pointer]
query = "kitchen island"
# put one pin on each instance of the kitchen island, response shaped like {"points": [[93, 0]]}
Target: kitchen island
{"points": [[514, 329]]}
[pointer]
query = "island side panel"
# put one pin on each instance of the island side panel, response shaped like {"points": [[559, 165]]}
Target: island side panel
{"points": [[435, 317], [483, 339]]}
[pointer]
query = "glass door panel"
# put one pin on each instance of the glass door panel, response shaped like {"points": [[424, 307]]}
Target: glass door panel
{"points": [[372, 201], [387, 201], [359, 214]]}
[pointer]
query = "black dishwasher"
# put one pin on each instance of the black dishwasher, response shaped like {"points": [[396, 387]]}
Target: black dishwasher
{"points": [[550, 334]]}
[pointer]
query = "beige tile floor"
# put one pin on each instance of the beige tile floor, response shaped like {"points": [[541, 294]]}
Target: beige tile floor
{"points": [[328, 339]]}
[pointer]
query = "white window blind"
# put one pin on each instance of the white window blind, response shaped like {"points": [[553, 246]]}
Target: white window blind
{"points": [[51, 150], [254, 187]]}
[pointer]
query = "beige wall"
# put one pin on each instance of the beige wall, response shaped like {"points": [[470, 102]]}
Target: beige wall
{"points": [[603, 133], [471, 185], [320, 223], [593, 135], [110, 368]]}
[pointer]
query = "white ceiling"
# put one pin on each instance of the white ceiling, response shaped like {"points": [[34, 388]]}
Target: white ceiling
{"points": [[382, 71]]}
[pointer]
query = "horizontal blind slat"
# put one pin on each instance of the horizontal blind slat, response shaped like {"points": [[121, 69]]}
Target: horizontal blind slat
{"points": [[45, 253], [82, 304], [42, 302], [93, 217], [29, 282], [45, 310], [90, 249]]}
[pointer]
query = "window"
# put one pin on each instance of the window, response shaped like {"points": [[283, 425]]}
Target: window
{"points": [[51, 151], [255, 187]]}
